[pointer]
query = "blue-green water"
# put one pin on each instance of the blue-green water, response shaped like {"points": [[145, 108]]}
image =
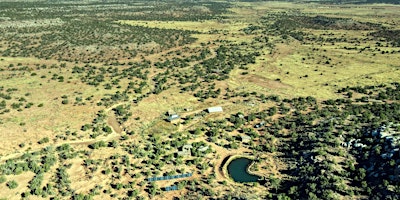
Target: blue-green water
{"points": [[237, 169]]}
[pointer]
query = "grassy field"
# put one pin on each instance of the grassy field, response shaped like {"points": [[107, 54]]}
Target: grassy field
{"points": [[291, 60], [203, 26]]}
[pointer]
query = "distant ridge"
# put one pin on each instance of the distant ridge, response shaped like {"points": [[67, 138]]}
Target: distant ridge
{"points": [[334, 1], [384, 1]]}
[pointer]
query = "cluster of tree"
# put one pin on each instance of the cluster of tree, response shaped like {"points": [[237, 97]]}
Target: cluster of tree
{"points": [[315, 143], [17, 104], [98, 125], [62, 182], [123, 113], [89, 40], [292, 24]]}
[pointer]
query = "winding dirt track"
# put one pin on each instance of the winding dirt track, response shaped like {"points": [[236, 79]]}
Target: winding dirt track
{"points": [[79, 142], [108, 137]]}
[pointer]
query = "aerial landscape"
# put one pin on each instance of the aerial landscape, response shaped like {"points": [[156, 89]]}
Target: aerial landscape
{"points": [[199, 99]]}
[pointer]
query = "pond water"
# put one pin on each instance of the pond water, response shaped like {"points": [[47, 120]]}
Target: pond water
{"points": [[237, 169]]}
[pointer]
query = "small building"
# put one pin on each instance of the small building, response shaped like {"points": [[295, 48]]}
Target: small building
{"points": [[245, 138], [186, 150], [360, 145], [173, 117], [202, 148], [214, 109], [171, 112]]}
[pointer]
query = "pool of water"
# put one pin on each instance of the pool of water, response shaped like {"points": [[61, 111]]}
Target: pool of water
{"points": [[237, 169]]}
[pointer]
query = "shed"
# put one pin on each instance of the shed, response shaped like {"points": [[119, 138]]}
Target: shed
{"points": [[245, 138], [214, 109], [171, 112], [173, 117], [186, 150], [202, 148]]}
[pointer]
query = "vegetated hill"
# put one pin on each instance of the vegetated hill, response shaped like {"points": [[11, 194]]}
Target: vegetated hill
{"points": [[322, 22], [122, 1], [383, 1], [61, 33], [392, 36], [334, 1], [356, 1]]}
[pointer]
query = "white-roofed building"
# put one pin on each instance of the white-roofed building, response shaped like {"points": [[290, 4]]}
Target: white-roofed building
{"points": [[214, 109]]}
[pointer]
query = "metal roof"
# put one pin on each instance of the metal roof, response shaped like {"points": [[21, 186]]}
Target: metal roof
{"points": [[215, 109], [173, 117]]}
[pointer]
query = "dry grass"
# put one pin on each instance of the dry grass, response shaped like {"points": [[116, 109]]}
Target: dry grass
{"points": [[155, 106], [203, 26], [31, 124], [22, 180], [283, 71]]}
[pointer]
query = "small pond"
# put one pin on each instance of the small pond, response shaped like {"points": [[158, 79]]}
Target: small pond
{"points": [[237, 169]]}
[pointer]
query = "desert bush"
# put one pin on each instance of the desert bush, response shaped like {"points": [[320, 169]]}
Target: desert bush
{"points": [[12, 184]]}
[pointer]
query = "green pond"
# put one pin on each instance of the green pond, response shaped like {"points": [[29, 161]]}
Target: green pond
{"points": [[237, 169]]}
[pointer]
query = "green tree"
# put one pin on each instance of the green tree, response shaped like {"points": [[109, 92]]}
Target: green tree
{"points": [[44, 140], [12, 184], [275, 183], [3, 179]]}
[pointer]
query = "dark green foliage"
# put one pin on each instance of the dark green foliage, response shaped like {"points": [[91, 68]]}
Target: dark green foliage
{"points": [[86, 127], [314, 139], [75, 34], [35, 185], [64, 101], [383, 1], [107, 129], [122, 113], [16, 105], [62, 182], [97, 145]]}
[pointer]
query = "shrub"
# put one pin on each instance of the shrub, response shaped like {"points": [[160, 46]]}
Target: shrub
{"points": [[3, 179], [44, 140], [65, 101], [85, 127], [97, 145], [12, 184]]}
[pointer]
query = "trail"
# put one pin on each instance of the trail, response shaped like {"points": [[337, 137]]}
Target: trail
{"points": [[108, 137], [77, 142]]}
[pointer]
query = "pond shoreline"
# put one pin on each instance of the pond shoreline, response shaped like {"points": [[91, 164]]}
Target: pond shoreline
{"points": [[227, 160]]}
